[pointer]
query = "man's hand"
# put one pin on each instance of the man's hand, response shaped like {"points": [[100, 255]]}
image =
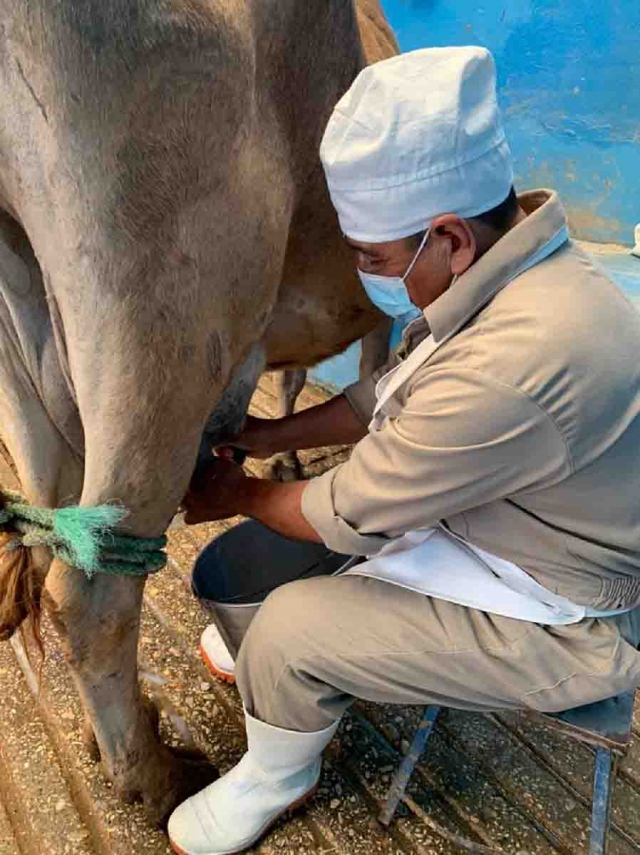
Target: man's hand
{"points": [[222, 490], [331, 423], [258, 438], [217, 494]]}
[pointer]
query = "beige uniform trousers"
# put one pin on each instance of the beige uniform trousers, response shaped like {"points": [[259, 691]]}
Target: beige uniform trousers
{"points": [[317, 644]]}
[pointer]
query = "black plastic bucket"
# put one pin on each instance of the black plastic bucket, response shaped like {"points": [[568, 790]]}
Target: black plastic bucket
{"points": [[236, 572]]}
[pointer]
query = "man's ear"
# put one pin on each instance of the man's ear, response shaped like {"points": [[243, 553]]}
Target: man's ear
{"points": [[457, 237]]}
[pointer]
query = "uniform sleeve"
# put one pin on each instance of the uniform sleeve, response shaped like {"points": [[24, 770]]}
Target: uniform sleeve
{"points": [[362, 394], [362, 397], [462, 440]]}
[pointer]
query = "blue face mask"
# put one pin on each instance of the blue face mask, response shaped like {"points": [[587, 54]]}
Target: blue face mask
{"points": [[389, 293]]}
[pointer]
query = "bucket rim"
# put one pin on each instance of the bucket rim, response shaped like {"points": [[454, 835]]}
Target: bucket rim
{"points": [[348, 564]]}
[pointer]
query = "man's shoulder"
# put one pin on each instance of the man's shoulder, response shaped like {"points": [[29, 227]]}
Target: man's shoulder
{"points": [[566, 270], [564, 309], [564, 335]]}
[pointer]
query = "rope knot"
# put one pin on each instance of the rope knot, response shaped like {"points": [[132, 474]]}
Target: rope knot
{"points": [[83, 537]]}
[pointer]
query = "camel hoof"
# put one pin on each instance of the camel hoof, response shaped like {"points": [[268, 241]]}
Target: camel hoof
{"points": [[192, 773], [176, 775]]}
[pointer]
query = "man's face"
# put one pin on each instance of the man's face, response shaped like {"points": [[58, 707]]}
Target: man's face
{"points": [[432, 273], [391, 258]]}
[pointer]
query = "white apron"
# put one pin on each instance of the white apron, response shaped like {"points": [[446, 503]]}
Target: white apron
{"points": [[440, 564]]}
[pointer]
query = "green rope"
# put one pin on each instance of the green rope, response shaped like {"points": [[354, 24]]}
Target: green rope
{"points": [[83, 537]]}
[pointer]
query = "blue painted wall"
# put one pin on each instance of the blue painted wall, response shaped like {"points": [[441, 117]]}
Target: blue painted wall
{"points": [[569, 87], [569, 84]]}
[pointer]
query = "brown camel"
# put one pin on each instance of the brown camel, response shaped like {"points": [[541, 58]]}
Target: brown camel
{"points": [[165, 236]]}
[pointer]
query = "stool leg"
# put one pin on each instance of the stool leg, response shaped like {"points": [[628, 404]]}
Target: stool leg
{"points": [[603, 782], [402, 776]]}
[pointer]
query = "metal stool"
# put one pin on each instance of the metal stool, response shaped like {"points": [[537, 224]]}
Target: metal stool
{"points": [[605, 725]]}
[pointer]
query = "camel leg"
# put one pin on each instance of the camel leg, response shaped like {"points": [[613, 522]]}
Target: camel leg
{"points": [[144, 410], [97, 622], [289, 384], [39, 426]]}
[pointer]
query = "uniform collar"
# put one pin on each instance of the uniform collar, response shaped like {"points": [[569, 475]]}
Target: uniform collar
{"points": [[522, 246]]}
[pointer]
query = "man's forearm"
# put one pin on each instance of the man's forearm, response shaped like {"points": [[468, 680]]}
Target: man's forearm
{"points": [[331, 423], [278, 506]]}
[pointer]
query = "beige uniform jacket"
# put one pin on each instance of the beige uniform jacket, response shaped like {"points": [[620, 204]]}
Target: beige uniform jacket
{"points": [[521, 433]]}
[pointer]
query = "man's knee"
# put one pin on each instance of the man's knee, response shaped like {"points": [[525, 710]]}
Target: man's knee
{"points": [[287, 615], [288, 626], [279, 667]]}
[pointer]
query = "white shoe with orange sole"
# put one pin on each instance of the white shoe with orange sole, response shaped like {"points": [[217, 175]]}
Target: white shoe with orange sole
{"points": [[215, 654], [279, 772]]}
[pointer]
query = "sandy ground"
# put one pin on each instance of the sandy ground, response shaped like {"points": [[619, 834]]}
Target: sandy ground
{"points": [[504, 783]]}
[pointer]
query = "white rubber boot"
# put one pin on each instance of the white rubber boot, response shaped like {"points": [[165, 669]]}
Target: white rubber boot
{"points": [[215, 654], [280, 771]]}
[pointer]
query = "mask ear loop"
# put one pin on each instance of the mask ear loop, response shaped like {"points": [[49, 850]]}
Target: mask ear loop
{"points": [[420, 248]]}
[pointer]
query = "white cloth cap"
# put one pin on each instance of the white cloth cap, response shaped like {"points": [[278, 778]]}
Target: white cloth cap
{"points": [[417, 136]]}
